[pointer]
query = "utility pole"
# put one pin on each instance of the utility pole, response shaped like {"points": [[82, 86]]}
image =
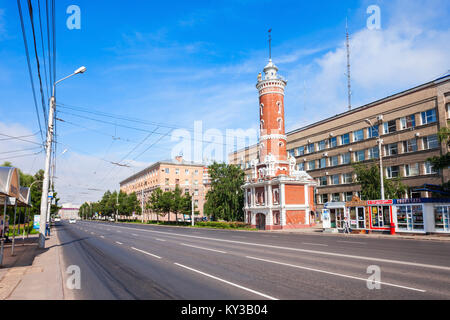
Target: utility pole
{"points": [[117, 205], [48, 148], [48, 151], [380, 155], [142, 205], [192, 200], [380, 141]]}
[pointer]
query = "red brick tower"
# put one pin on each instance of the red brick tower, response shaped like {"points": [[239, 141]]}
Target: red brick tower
{"points": [[271, 105], [278, 196]]}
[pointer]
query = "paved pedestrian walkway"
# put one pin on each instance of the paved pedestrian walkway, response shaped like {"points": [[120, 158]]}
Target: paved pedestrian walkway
{"points": [[318, 230], [32, 273]]}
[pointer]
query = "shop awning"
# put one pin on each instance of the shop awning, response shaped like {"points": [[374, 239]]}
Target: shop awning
{"points": [[432, 188], [9, 182]]}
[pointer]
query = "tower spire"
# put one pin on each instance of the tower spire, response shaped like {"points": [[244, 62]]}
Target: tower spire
{"points": [[270, 44]]}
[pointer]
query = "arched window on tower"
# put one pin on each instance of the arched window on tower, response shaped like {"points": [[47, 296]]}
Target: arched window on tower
{"points": [[262, 124], [261, 108], [280, 123], [279, 107]]}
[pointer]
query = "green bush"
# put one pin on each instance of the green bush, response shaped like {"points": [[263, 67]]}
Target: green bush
{"points": [[224, 225]]}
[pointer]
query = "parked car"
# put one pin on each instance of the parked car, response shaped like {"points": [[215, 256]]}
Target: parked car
{"points": [[111, 219], [57, 219], [72, 220]]}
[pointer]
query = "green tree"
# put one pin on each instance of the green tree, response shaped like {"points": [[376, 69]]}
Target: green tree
{"points": [[225, 199], [132, 204], [154, 202], [369, 179], [444, 160]]}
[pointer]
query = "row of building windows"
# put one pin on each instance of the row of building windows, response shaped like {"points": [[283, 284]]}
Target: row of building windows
{"points": [[429, 142], [409, 170], [406, 122], [177, 181], [336, 197], [177, 171]]}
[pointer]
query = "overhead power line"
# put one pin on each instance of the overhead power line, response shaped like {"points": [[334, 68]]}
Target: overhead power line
{"points": [[126, 118], [21, 156], [29, 67], [19, 138], [140, 129], [20, 150], [38, 66], [30, 135], [43, 51]]}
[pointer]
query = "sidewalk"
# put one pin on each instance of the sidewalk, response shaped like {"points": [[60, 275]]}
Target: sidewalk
{"points": [[318, 230], [33, 273]]}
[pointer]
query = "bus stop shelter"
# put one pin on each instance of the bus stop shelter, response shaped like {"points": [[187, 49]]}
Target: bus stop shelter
{"points": [[9, 196]]}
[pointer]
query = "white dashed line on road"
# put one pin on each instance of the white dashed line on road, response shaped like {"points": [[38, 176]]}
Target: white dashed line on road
{"points": [[188, 245], [335, 274], [147, 253], [315, 244], [352, 242], [227, 282], [119, 242], [160, 239]]}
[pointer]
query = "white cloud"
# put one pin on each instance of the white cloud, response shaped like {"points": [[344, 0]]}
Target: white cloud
{"points": [[403, 54]]}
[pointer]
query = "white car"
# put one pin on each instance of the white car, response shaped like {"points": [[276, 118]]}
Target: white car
{"points": [[57, 219], [72, 221]]}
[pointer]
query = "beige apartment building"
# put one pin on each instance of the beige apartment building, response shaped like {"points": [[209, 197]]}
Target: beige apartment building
{"points": [[407, 124], [190, 177]]}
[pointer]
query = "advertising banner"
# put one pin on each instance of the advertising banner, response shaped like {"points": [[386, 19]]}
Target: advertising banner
{"points": [[36, 222]]}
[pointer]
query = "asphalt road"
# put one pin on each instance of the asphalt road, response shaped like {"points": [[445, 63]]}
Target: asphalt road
{"points": [[126, 261]]}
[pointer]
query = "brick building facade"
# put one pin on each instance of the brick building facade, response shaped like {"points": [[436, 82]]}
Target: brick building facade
{"points": [[188, 176], [407, 124]]}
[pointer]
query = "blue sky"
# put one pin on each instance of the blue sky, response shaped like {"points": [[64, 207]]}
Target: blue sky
{"points": [[176, 62]]}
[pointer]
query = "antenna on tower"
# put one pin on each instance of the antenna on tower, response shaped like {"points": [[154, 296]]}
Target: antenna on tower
{"points": [[270, 44], [349, 85]]}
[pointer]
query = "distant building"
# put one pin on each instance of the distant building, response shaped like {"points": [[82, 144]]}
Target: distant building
{"points": [[69, 211], [407, 123], [190, 177]]}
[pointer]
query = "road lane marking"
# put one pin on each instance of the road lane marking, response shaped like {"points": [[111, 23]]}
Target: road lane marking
{"points": [[160, 239], [227, 282], [315, 244], [134, 234], [335, 274], [119, 242], [119, 231], [352, 242], [333, 254], [102, 237], [145, 252], [188, 245]]}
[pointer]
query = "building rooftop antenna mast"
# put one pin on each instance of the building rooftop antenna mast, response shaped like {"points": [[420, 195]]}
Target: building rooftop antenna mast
{"points": [[349, 85]]}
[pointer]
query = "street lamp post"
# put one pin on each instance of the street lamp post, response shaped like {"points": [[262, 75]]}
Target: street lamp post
{"points": [[45, 186], [380, 156]]}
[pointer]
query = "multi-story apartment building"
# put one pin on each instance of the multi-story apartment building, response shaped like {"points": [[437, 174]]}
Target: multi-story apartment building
{"points": [[166, 175], [407, 123]]}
